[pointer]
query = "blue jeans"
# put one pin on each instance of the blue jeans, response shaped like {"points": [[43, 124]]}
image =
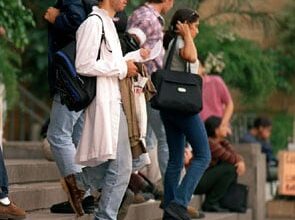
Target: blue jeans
{"points": [[179, 129], [112, 176], [3, 177], [64, 132], [155, 125]]}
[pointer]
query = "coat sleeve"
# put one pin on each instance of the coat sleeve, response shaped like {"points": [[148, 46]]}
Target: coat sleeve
{"points": [[88, 43], [71, 16]]}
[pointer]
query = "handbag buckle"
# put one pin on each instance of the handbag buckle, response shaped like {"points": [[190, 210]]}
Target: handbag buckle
{"points": [[181, 89]]}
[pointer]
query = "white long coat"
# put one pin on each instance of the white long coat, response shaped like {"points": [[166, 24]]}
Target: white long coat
{"points": [[100, 132]]}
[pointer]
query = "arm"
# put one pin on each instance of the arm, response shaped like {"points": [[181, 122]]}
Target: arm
{"points": [[224, 152], [153, 36], [88, 44], [188, 52], [68, 19], [2, 31], [239, 164], [227, 101], [228, 112]]}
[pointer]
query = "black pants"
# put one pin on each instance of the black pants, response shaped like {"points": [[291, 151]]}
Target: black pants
{"points": [[215, 182], [3, 178]]}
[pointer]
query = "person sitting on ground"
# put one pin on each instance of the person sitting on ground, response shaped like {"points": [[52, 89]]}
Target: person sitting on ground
{"points": [[260, 133], [225, 166]]}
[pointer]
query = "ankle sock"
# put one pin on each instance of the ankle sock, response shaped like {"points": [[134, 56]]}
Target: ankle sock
{"points": [[5, 201]]}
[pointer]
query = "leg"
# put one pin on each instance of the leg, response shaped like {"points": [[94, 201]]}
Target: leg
{"points": [[116, 177], [64, 130], [3, 178], [196, 135], [60, 136], [176, 142], [155, 122], [8, 210], [215, 183]]}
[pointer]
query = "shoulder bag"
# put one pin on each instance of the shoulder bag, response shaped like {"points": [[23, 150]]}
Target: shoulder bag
{"points": [[179, 91]]}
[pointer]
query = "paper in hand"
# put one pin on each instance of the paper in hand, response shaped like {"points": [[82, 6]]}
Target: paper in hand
{"points": [[135, 55]]}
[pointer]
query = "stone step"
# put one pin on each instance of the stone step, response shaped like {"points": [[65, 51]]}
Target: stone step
{"points": [[46, 215], [31, 170], [23, 150], [35, 196], [143, 211]]}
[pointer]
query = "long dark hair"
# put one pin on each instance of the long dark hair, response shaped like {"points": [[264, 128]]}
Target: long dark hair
{"points": [[183, 15], [211, 124]]}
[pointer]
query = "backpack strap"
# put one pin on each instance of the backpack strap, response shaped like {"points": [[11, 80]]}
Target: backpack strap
{"points": [[102, 36]]}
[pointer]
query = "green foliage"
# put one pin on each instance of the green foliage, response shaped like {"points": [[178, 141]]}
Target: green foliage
{"points": [[285, 51], [35, 56], [247, 67], [15, 17], [282, 129], [287, 30], [9, 66]]}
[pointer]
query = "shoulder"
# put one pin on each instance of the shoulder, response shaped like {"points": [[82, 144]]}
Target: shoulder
{"points": [[216, 78], [248, 138], [142, 15], [71, 2]]}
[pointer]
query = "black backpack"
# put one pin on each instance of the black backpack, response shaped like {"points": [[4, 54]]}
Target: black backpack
{"points": [[76, 91]]}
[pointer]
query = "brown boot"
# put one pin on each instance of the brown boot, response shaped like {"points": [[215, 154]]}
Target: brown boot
{"points": [[75, 195], [194, 213], [11, 211]]}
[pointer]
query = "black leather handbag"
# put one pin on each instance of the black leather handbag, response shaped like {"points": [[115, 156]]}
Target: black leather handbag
{"points": [[179, 91]]}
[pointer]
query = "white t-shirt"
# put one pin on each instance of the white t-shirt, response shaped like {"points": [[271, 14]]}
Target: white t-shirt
{"points": [[178, 64]]}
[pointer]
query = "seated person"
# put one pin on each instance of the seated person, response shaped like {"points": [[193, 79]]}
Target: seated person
{"points": [[260, 134], [224, 168]]}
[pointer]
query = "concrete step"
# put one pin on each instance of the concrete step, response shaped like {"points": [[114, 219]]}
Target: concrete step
{"points": [[46, 215], [23, 150], [31, 170], [143, 211], [35, 196]]}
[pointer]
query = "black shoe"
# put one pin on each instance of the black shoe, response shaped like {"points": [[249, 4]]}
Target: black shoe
{"points": [[88, 204], [65, 207], [177, 211], [166, 216], [213, 208]]}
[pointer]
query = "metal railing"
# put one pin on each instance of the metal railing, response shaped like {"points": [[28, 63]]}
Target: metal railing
{"points": [[24, 121], [240, 124]]}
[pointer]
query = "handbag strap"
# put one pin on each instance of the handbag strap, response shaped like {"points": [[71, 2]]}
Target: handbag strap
{"points": [[187, 67]]}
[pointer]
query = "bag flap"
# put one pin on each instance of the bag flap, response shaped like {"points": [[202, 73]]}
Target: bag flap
{"points": [[182, 77]]}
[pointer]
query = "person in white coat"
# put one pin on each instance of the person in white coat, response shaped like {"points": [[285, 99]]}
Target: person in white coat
{"points": [[104, 146]]}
